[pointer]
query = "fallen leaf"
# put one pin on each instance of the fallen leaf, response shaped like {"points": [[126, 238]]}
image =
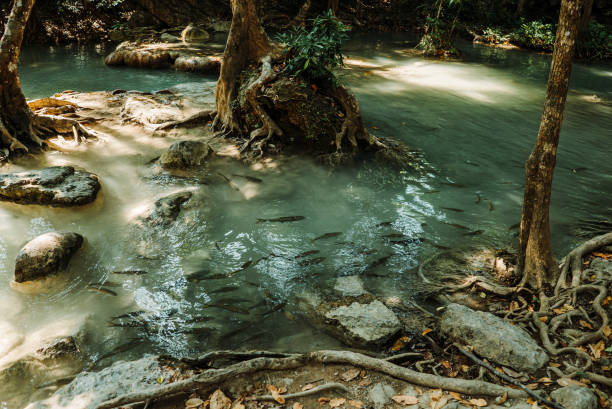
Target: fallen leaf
{"points": [[455, 395], [193, 403], [607, 331], [514, 305], [554, 364], [439, 404], [298, 405], [356, 403], [427, 331], [276, 393], [400, 343], [545, 380], [323, 401], [531, 401], [597, 349], [543, 319], [445, 364], [350, 375], [218, 400], [314, 87], [334, 403], [568, 382], [502, 399], [585, 324], [605, 256], [465, 368], [511, 372], [607, 301], [238, 404], [532, 386], [436, 394], [307, 387], [364, 382], [478, 402], [363, 373], [563, 309], [375, 128], [406, 399]]}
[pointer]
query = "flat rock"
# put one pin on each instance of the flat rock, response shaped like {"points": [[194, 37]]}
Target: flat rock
{"points": [[575, 397], [381, 394], [493, 338], [365, 324], [56, 186], [89, 389], [46, 255], [351, 286], [185, 154]]}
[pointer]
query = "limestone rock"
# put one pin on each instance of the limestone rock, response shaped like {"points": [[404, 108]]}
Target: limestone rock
{"points": [[166, 210], [365, 324], [193, 34], [185, 154], [169, 38], [349, 286], [46, 255], [575, 397], [147, 111], [55, 186], [493, 338], [381, 394], [201, 64]]}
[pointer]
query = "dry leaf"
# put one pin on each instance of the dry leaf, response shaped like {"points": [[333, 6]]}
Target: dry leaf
{"points": [[334, 403], [512, 373], [298, 405], [350, 375], [439, 404], [597, 349], [531, 401], [465, 368], [501, 400], [218, 400], [563, 309], [363, 373], [543, 319], [585, 324], [607, 331], [400, 343], [514, 305], [356, 403], [375, 128], [607, 301], [532, 386], [478, 402], [307, 387], [568, 382], [276, 393], [427, 331], [436, 394], [545, 380], [238, 404], [446, 364], [554, 364], [455, 395], [323, 401], [605, 256], [406, 399], [193, 403], [364, 382]]}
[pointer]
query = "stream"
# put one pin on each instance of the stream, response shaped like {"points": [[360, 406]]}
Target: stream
{"points": [[473, 123]]}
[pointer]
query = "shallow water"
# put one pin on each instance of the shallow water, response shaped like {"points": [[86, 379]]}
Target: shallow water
{"points": [[474, 123]]}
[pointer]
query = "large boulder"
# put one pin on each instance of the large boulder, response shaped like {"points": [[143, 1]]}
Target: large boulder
{"points": [[56, 186], [90, 389], [193, 34], [46, 255], [575, 397], [185, 154], [493, 338]]}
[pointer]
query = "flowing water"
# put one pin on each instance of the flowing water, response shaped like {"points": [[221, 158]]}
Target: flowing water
{"points": [[473, 122]]}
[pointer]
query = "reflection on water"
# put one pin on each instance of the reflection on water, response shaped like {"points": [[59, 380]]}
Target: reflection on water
{"points": [[218, 279]]}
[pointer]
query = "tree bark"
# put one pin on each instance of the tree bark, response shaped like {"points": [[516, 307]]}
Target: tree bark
{"points": [[333, 6], [585, 18], [536, 261], [247, 43], [16, 132]]}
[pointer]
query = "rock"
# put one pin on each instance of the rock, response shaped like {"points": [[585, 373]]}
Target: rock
{"points": [[350, 286], [601, 268], [135, 55], [166, 210], [221, 26], [55, 186], [365, 324], [493, 338], [185, 154], [381, 394], [193, 34], [11, 338], [148, 111], [575, 397], [89, 389], [169, 38], [46, 255], [201, 64]]}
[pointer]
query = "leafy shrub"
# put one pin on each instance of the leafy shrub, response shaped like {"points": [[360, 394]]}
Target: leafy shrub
{"points": [[596, 43], [494, 36], [535, 34], [314, 54]]}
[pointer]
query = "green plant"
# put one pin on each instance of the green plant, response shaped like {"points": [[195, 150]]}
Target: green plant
{"points": [[596, 43], [438, 36], [494, 35], [535, 34], [314, 54], [119, 26]]}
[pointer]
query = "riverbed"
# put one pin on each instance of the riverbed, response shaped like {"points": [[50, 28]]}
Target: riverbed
{"points": [[473, 123]]}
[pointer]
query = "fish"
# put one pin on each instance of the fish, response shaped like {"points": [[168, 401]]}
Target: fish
{"points": [[195, 320], [576, 170], [230, 301], [214, 277], [105, 284], [133, 314], [327, 236], [198, 331], [129, 324], [311, 261], [394, 236], [453, 209], [384, 224], [122, 348], [477, 198], [491, 207], [152, 161], [101, 290], [307, 253], [368, 252], [459, 185], [459, 226], [242, 268], [277, 307], [348, 243], [249, 178], [230, 308], [229, 181], [474, 233], [217, 246], [406, 242], [514, 226], [131, 272], [379, 261], [283, 219], [221, 290]]}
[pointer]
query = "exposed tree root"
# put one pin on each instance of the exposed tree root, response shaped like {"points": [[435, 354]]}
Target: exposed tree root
{"points": [[193, 120], [313, 391], [212, 377]]}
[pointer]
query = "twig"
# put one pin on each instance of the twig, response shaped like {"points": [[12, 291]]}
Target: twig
{"points": [[402, 356], [313, 391], [506, 377]]}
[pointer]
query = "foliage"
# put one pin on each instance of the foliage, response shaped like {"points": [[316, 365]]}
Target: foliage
{"points": [[494, 35], [76, 6], [596, 43], [535, 34], [439, 29], [314, 54]]}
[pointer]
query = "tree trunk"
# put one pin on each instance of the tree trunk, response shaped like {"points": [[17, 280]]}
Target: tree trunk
{"points": [[16, 131], [247, 43], [585, 18], [536, 261], [333, 6]]}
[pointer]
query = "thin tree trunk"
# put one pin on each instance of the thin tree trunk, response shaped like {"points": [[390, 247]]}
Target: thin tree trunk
{"points": [[536, 261], [15, 117], [247, 43], [333, 6], [585, 18]]}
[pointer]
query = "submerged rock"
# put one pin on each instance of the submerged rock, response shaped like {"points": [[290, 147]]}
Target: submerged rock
{"points": [[349, 286], [56, 186], [185, 154], [493, 338], [89, 389], [46, 255], [575, 397], [166, 210]]}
